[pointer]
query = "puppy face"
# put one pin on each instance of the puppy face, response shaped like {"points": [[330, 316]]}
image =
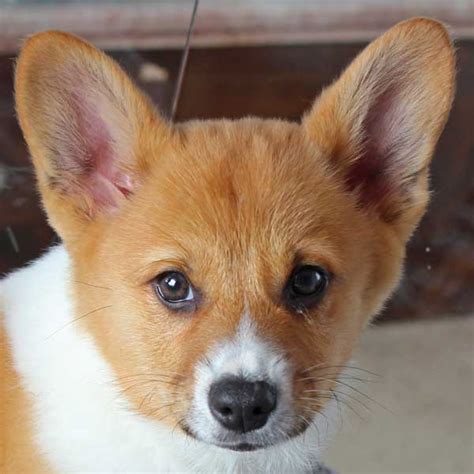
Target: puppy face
{"points": [[238, 244], [226, 269]]}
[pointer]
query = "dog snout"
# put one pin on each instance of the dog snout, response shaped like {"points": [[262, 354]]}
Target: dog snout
{"points": [[240, 405]]}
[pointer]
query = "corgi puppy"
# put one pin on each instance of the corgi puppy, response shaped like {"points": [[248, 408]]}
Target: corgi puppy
{"points": [[214, 275]]}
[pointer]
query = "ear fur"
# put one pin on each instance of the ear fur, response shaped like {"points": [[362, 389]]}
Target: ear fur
{"points": [[84, 122], [380, 121]]}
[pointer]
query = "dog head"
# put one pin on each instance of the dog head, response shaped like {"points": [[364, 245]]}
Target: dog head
{"points": [[227, 268]]}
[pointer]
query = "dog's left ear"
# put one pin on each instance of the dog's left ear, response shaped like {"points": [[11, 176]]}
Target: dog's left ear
{"points": [[379, 123]]}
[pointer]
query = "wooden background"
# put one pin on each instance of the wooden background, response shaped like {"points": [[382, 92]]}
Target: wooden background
{"points": [[276, 81], [159, 24]]}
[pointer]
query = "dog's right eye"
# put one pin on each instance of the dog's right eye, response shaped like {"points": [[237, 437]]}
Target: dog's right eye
{"points": [[174, 290]]}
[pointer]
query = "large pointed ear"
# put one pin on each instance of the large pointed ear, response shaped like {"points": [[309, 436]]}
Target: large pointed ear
{"points": [[86, 126], [379, 122]]}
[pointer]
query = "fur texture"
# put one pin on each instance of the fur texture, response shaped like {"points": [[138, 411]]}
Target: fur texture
{"points": [[113, 379], [83, 423]]}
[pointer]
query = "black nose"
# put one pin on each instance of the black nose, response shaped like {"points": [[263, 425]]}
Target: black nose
{"points": [[242, 406]]}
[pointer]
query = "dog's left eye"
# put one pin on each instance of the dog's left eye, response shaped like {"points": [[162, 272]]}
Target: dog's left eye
{"points": [[306, 286], [174, 289]]}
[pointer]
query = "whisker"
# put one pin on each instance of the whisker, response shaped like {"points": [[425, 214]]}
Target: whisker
{"points": [[284, 435], [326, 419], [339, 411], [363, 394], [77, 319], [348, 405], [178, 423], [147, 397], [351, 367], [345, 384], [309, 423], [152, 413], [339, 376], [156, 382], [91, 285], [340, 393], [313, 423], [334, 396], [306, 421], [152, 374]]}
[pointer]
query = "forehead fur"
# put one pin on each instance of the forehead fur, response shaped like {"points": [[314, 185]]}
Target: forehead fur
{"points": [[240, 185]]}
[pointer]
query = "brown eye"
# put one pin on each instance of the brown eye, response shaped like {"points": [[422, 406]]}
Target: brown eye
{"points": [[306, 286], [174, 289]]}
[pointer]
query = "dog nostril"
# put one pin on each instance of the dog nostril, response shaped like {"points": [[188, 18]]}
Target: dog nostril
{"points": [[241, 406]]}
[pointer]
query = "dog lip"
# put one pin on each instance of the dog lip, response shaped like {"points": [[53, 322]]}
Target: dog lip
{"points": [[233, 447], [242, 447]]}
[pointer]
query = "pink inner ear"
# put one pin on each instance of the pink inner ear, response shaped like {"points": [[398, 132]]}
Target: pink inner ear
{"points": [[96, 162], [371, 173]]}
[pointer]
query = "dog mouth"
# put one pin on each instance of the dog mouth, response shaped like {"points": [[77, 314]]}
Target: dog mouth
{"points": [[243, 446], [239, 447]]}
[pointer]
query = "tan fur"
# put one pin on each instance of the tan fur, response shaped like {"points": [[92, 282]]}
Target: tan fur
{"points": [[18, 452], [234, 204], [419, 54]]}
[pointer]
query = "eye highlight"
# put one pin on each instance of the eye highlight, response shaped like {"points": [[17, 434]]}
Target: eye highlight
{"points": [[305, 287], [174, 290]]}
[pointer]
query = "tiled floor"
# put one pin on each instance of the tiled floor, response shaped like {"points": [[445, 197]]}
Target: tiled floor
{"points": [[428, 384]]}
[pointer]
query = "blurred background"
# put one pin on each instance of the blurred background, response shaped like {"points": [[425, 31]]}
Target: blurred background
{"points": [[271, 58]]}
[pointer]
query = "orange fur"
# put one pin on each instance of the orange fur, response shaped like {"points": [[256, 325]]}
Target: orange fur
{"points": [[18, 451], [234, 204]]}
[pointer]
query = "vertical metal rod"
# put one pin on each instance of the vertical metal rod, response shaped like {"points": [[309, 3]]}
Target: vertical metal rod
{"points": [[12, 238], [184, 61]]}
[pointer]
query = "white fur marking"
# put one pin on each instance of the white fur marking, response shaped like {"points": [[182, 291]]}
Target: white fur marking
{"points": [[83, 423], [249, 356]]}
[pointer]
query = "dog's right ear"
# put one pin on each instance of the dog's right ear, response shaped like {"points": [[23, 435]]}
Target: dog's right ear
{"points": [[87, 127]]}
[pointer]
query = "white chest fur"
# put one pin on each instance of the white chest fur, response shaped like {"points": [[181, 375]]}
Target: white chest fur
{"points": [[83, 424]]}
